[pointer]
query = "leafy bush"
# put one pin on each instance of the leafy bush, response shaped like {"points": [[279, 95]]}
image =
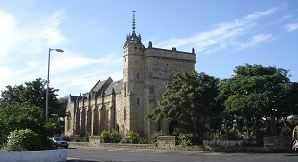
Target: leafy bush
{"points": [[153, 137], [132, 137], [185, 139], [110, 137], [232, 135], [78, 138], [217, 135], [23, 139], [226, 134]]}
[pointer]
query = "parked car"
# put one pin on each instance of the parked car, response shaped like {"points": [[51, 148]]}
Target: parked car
{"points": [[59, 142]]}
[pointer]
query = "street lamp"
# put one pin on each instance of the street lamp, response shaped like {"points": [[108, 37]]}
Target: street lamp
{"points": [[48, 80]]}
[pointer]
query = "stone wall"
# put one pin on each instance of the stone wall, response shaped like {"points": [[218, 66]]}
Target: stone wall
{"points": [[278, 143], [162, 64], [95, 142], [120, 106], [166, 142], [224, 142]]}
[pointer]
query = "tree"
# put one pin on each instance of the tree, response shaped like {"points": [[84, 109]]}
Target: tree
{"points": [[20, 116], [33, 93], [3, 133], [23, 107], [52, 127], [258, 97], [189, 99]]}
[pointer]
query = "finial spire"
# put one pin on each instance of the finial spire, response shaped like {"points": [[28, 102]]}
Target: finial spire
{"points": [[133, 22], [133, 38]]}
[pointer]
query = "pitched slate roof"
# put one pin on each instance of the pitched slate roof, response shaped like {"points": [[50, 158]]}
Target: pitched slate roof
{"points": [[117, 86], [101, 85], [106, 87]]}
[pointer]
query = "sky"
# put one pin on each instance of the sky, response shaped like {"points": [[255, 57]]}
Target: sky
{"points": [[225, 34]]}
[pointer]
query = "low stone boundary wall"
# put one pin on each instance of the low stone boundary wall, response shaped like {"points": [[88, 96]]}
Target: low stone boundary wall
{"points": [[125, 145], [191, 148], [166, 142], [224, 142], [95, 142], [278, 143], [78, 144], [36, 156]]}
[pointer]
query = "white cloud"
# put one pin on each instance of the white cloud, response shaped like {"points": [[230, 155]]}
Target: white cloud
{"points": [[7, 30], [68, 62], [255, 40], [28, 39], [291, 27], [82, 83], [67, 70], [224, 35], [16, 41]]}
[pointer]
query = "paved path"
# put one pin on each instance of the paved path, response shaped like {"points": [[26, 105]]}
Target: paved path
{"points": [[96, 154]]}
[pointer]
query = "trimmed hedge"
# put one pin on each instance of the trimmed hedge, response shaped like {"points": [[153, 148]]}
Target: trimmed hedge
{"points": [[110, 137], [132, 137]]}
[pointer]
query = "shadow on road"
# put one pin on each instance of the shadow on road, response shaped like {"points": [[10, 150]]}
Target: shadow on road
{"points": [[74, 160], [72, 148], [292, 155]]}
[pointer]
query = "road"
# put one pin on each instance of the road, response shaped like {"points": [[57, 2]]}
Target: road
{"points": [[83, 154]]}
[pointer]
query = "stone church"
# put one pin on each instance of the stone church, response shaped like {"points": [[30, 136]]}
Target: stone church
{"points": [[122, 105]]}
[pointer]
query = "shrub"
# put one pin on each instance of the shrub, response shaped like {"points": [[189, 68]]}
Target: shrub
{"points": [[185, 139], [227, 134], [153, 137], [110, 137], [78, 138], [217, 135], [23, 139], [132, 137]]}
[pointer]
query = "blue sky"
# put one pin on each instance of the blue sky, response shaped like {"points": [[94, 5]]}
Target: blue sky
{"points": [[224, 33]]}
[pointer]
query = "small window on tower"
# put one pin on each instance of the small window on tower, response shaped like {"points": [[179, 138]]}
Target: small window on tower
{"points": [[124, 89], [138, 76], [124, 59], [138, 101], [124, 115]]}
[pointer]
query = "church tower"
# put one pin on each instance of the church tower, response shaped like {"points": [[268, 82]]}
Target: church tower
{"points": [[133, 81]]}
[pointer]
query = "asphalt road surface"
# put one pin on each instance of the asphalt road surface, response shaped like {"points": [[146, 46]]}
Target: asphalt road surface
{"points": [[84, 154]]}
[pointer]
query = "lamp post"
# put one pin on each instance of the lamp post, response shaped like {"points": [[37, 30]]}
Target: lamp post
{"points": [[48, 80]]}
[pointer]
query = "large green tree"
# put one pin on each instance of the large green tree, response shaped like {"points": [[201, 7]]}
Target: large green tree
{"points": [[23, 107], [189, 99], [20, 116], [34, 93], [258, 97]]}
